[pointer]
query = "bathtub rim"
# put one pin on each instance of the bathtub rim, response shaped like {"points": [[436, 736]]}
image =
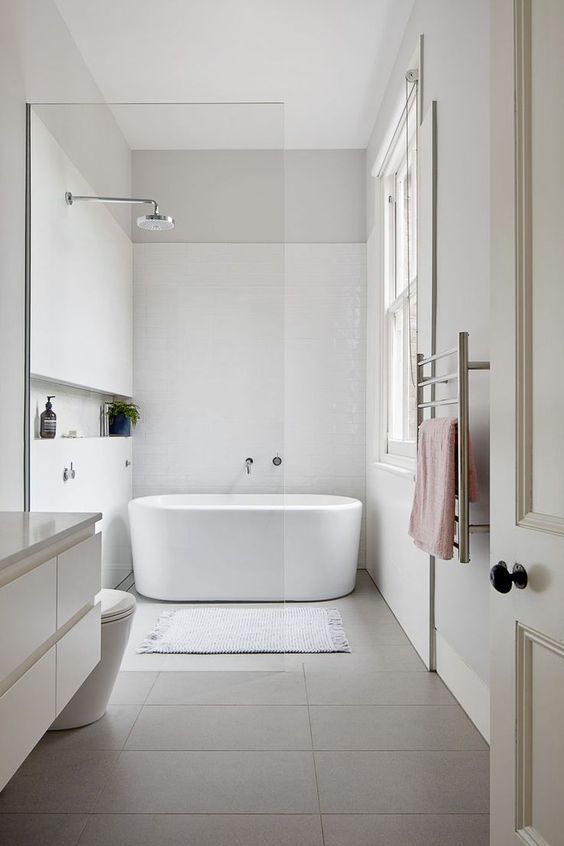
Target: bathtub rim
{"points": [[247, 502]]}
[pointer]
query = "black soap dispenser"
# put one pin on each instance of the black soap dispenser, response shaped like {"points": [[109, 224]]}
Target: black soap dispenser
{"points": [[48, 426]]}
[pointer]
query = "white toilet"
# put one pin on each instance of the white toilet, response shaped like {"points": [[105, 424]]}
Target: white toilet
{"points": [[90, 701]]}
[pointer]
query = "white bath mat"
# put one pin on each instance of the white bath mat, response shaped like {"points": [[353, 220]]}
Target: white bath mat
{"points": [[215, 630]]}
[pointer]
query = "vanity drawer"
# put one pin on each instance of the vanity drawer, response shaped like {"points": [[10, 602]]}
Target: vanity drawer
{"points": [[28, 611], [78, 652], [79, 577], [27, 709]]}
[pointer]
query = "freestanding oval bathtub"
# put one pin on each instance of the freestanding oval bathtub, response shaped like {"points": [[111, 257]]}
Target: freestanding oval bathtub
{"points": [[245, 547]]}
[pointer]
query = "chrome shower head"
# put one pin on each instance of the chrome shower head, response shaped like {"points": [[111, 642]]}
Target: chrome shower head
{"points": [[155, 222]]}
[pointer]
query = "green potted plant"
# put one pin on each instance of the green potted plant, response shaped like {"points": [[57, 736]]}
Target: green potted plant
{"points": [[121, 415]]}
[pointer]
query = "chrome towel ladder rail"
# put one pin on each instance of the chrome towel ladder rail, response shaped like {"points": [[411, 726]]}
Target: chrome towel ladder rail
{"points": [[460, 375]]}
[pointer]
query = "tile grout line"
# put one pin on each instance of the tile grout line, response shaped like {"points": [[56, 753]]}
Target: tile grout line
{"points": [[246, 814], [138, 715], [332, 750], [295, 705], [302, 666], [114, 765], [155, 680], [83, 829], [313, 756]]}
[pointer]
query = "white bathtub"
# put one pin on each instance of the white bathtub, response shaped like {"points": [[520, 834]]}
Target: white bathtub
{"points": [[245, 547]]}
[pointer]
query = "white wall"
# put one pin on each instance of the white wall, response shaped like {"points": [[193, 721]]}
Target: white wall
{"points": [[81, 335], [82, 269], [102, 483], [38, 62], [82, 316], [79, 129], [455, 73]]}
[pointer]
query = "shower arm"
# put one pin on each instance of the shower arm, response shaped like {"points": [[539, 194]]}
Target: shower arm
{"points": [[71, 198]]}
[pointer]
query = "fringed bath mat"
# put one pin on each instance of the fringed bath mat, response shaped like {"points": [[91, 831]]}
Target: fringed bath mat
{"points": [[215, 630]]}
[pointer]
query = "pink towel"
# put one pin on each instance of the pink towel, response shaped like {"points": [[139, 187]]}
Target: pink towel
{"points": [[432, 524]]}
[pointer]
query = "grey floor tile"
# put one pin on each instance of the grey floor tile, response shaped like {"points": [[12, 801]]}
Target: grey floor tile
{"points": [[363, 604], [393, 727], [41, 829], [406, 830], [327, 687], [378, 657], [377, 630], [203, 663], [132, 688], [202, 830], [228, 727], [372, 639], [229, 688], [363, 580], [403, 782], [58, 782], [110, 732], [362, 608], [211, 782]]}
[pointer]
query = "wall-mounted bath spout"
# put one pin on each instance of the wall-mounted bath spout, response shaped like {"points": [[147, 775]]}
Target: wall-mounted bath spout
{"points": [[248, 463]]}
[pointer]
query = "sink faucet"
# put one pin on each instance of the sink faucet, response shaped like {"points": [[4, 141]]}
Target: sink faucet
{"points": [[248, 462]]}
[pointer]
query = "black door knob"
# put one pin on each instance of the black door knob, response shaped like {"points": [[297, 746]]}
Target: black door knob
{"points": [[503, 580]]}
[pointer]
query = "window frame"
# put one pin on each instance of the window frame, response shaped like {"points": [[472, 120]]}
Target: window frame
{"points": [[400, 453]]}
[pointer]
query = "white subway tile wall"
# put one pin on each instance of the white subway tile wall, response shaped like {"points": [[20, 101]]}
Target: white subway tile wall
{"points": [[325, 337], [249, 350]]}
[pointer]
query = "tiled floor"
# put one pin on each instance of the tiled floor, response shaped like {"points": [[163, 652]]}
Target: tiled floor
{"points": [[355, 749]]}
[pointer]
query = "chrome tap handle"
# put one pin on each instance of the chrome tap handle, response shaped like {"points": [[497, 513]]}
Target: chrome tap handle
{"points": [[248, 462]]}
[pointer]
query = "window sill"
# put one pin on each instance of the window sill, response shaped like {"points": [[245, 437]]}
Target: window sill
{"points": [[388, 467]]}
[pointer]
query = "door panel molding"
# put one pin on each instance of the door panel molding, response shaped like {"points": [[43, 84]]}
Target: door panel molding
{"points": [[526, 639], [526, 516]]}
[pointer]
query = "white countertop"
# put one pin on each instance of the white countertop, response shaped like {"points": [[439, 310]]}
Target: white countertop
{"points": [[23, 534]]}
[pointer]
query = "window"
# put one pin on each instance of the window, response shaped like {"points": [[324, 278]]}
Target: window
{"points": [[399, 187]]}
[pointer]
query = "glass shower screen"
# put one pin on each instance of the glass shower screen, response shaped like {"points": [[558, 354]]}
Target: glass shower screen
{"points": [[186, 320]]}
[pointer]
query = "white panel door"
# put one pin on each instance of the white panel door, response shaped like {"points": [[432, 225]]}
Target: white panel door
{"points": [[527, 403]]}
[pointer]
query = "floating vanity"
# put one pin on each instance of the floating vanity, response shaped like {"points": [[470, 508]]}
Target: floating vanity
{"points": [[50, 573]]}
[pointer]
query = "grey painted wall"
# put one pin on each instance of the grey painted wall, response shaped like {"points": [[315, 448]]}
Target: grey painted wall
{"points": [[326, 196], [263, 196]]}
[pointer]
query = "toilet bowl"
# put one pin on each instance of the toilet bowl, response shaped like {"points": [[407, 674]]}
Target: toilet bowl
{"points": [[90, 701]]}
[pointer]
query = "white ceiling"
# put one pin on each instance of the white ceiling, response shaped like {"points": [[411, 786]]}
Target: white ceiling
{"points": [[328, 61], [211, 126]]}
